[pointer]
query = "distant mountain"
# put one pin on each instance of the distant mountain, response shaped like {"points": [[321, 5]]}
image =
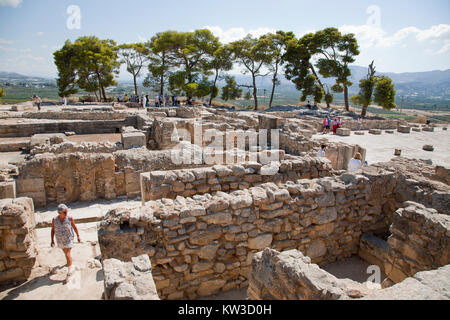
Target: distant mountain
{"points": [[12, 76], [426, 85], [430, 84]]}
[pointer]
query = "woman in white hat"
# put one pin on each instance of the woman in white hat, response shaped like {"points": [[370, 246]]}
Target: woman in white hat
{"points": [[62, 227]]}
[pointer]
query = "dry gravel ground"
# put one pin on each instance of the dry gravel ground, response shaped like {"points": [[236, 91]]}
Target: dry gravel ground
{"points": [[380, 148]]}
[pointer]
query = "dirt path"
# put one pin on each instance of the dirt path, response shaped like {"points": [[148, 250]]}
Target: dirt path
{"points": [[47, 279]]}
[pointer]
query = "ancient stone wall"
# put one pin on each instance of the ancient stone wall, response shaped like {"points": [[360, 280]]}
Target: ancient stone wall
{"points": [[17, 239], [34, 126], [170, 184], [72, 147], [64, 178], [420, 241], [291, 276], [203, 244], [76, 115]]}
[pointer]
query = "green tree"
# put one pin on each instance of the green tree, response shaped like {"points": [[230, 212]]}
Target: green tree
{"points": [[162, 47], [89, 64], [277, 43], [253, 54], [384, 94], [336, 52], [366, 87], [231, 91], [2, 94], [193, 57], [380, 90], [134, 55], [221, 61], [301, 71]]}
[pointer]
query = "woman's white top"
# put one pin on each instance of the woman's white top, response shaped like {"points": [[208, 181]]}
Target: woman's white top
{"points": [[321, 153], [354, 164]]}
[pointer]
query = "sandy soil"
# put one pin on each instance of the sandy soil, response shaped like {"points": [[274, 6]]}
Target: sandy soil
{"points": [[380, 148], [13, 157], [353, 268]]}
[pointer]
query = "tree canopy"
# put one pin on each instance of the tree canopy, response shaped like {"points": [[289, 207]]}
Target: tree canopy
{"points": [[89, 64], [252, 54], [134, 55]]}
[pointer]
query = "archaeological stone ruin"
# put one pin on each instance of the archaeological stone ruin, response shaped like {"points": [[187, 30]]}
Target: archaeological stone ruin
{"points": [[204, 201]]}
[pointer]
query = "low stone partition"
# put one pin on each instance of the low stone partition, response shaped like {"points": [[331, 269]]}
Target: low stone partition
{"points": [[129, 280], [420, 241], [64, 178], [72, 147], [425, 285], [170, 184], [76, 115], [35, 126], [204, 244], [291, 276], [17, 145], [17, 239], [296, 143]]}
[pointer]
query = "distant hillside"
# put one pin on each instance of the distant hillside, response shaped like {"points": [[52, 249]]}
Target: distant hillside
{"points": [[431, 84], [14, 77]]}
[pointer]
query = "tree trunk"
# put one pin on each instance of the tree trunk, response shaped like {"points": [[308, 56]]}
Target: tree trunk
{"points": [[364, 111], [320, 82], [161, 83], [274, 80], [101, 87], [103, 93], [96, 96], [347, 106], [213, 88], [135, 86], [255, 91]]}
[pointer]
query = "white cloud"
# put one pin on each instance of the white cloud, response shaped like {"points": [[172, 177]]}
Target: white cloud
{"points": [[10, 3], [440, 32], [234, 34], [40, 34], [372, 36]]}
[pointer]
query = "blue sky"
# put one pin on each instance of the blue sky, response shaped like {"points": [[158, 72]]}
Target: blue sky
{"points": [[399, 35]]}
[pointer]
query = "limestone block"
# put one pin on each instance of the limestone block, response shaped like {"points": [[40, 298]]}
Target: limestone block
{"points": [[428, 147], [7, 190], [360, 133], [375, 131], [260, 242], [428, 129], [133, 140], [129, 280], [404, 129], [416, 129], [343, 132]]}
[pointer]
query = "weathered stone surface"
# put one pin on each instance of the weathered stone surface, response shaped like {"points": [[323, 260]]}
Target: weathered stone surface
{"points": [[404, 129], [343, 132], [129, 280], [260, 242]]}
